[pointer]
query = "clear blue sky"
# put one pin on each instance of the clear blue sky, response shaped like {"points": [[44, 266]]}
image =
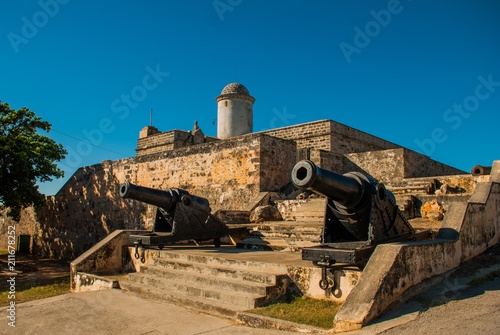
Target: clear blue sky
{"points": [[423, 74]]}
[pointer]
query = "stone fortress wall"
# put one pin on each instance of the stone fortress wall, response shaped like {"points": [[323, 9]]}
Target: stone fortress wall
{"points": [[230, 173], [331, 136]]}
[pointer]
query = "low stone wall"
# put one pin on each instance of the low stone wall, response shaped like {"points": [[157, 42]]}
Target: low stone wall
{"points": [[328, 160], [394, 270], [383, 165], [346, 140], [394, 164], [418, 165], [107, 256]]}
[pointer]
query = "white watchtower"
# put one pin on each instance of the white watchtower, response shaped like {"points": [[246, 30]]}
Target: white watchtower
{"points": [[234, 111]]}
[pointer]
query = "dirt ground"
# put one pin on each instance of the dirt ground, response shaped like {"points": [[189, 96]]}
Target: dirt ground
{"points": [[31, 270]]}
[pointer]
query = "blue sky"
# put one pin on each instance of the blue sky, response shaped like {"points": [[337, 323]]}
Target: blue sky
{"points": [[423, 74]]}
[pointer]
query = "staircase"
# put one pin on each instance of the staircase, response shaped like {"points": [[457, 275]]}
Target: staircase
{"points": [[302, 210], [282, 236], [225, 283], [206, 283], [301, 228], [412, 186]]}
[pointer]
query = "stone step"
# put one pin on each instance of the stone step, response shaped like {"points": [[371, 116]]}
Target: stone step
{"points": [[240, 285], [287, 225], [283, 236], [304, 217], [214, 263], [310, 207], [411, 189], [424, 186], [291, 235], [306, 209], [288, 245], [211, 307], [199, 290], [226, 272]]}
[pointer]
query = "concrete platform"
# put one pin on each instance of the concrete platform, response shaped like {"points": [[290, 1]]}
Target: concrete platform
{"points": [[245, 255]]}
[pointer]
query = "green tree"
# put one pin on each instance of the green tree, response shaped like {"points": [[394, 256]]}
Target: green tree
{"points": [[25, 158]]}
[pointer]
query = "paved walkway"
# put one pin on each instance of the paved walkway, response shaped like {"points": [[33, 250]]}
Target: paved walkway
{"points": [[472, 310], [117, 313], [477, 311], [461, 310]]}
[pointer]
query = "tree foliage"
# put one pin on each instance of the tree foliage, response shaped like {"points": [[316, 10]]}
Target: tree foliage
{"points": [[25, 158]]}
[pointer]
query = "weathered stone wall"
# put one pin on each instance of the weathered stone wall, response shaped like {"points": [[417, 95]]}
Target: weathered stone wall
{"points": [[393, 164], [277, 159], [229, 173], [346, 140], [86, 209], [315, 135], [155, 143], [418, 165], [161, 142], [29, 226], [328, 160], [383, 165], [331, 136]]}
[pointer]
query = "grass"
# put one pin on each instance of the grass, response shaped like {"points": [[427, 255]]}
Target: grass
{"points": [[303, 310], [26, 291], [485, 278]]}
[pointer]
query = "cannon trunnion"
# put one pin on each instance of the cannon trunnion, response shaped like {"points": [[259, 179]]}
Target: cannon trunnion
{"points": [[179, 216], [360, 214]]}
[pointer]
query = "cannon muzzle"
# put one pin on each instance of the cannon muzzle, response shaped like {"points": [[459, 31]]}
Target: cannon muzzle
{"points": [[479, 170], [346, 189], [164, 199]]}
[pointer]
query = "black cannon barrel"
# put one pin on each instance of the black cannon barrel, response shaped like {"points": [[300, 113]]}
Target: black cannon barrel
{"points": [[159, 198], [346, 190], [165, 199]]}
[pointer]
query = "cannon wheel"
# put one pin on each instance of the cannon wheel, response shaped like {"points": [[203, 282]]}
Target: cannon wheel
{"points": [[217, 242]]}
